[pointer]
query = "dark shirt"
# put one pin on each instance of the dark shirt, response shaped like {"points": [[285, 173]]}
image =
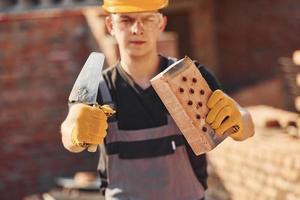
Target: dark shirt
{"points": [[139, 108]]}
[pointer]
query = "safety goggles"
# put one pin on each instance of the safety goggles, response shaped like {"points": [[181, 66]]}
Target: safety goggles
{"points": [[147, 21]]}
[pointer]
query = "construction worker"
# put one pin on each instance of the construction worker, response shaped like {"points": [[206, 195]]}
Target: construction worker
{"points": [[137, 160]]}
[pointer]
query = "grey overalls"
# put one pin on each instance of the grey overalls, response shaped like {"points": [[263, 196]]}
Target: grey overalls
{"points": [[135, 174]]}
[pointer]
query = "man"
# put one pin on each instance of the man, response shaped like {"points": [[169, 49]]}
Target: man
{"points": [[137, 160]]}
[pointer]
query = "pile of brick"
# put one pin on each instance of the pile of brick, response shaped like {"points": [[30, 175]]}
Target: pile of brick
{"points": [[296, 60], [264, 167], [291, 72]]}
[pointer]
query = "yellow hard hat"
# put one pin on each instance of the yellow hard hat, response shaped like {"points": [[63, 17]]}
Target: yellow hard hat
{"points": [[128, 6]]}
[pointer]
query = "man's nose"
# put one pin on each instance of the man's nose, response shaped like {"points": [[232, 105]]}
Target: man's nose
{"points": [[137, 28]]}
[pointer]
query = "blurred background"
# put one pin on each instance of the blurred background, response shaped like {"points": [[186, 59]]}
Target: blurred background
{"points": [[251, 46]]}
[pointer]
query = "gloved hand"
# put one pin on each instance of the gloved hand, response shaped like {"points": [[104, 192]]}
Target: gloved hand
{"points": [[90, 125], [224, 113]]}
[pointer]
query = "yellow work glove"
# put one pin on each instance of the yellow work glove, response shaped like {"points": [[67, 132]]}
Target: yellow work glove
{"points": [[90, 125], [224, 113]]}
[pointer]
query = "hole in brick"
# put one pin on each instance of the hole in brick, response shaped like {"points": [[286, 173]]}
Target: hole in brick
{"points": [[202, 92], [184, 78], [190, 103], [192, 91], [181, 90], [204, 129], [198, 116], [194, 80]]}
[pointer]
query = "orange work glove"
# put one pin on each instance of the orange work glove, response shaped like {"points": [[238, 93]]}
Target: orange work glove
{"points": [[224, 113], [90, 125]]}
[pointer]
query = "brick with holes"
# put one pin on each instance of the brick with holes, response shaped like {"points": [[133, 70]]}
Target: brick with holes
{"points": [[185, 93]]}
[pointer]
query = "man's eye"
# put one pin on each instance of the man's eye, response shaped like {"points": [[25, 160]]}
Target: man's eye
{"points": [[151, 19], [125, 20]]}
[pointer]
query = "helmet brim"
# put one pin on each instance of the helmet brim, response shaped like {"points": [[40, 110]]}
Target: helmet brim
{"points": [[131, 9]]}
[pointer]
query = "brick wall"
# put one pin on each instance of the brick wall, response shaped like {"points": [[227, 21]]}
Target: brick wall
{"points": [[194, 22], [251, 36], [204, 46], [240, 41], [276, 95], [41, 55]]}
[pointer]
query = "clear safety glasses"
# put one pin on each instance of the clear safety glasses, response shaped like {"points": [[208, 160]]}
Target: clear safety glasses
{"points": [[146, 21]]}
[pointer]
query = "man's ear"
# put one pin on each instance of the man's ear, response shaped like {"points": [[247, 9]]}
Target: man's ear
{"points": [[163, 23], [109, 25]]}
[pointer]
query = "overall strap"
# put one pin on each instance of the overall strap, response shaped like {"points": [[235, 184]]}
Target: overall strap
{"points": [[106, 99], [104, 91]]}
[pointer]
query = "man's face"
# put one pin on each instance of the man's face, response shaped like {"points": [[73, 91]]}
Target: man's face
{"points": [[136, 33]]}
